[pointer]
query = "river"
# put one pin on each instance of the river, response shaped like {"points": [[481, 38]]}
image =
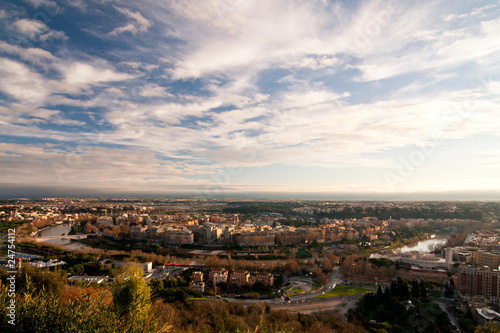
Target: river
{"points": [[61, 230], [425, 246]]}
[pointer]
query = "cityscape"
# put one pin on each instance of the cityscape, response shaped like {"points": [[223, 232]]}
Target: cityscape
{"points": [[295, 256], [238, 166]]}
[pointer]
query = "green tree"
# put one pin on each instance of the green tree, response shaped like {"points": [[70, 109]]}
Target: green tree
{"points": [[415, 289], [380, 293], [423, 290], [488, 328], [132, 298]]}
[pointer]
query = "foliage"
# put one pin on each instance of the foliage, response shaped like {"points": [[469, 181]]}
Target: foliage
{"points": [[396, 309], [132, 295], [488, 328], [467, 321], [53, 282], [382, 262], [172, 290], [225, 317], [5, 225], [78, 309]]}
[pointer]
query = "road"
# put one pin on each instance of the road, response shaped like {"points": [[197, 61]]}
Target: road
{"points": [[444, 306], [340, 304], [333, 278]]}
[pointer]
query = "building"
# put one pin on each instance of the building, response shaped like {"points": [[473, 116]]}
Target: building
{"points": [[485, 315], [197, 286], [483, 258], [104, 221], [448, 255], [218, 276], [178, 236], [137, 232], [50, 263], [266, 278], [197, 276], [93, 279], [146, 267], [422, 260], [255, 238], [240, 278], [300, 236], [480, 281]]}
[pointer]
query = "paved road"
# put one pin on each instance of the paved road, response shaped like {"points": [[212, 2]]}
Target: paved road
{"points": [[334, 278], [340, 304], [303, 299], [444, 305]]}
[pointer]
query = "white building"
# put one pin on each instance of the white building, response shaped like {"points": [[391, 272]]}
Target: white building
{"points": [[93, 279]]}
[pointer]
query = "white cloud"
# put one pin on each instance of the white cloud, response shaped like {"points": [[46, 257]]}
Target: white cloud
{"points": [[31, 28], [153, 90], [138, 24], [443, 51], [42, 3], [32, 55], [86, 73], [247, 34], [261, 83], [88, 165], [20, 114], [35, 29], [20, 82]]}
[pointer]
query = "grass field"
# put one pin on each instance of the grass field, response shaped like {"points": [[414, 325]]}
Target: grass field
{"points": [[315, 287], [294, 291], [343, 290]]}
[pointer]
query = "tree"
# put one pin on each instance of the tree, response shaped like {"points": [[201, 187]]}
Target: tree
{"points": [[448, 292], [132, 297], [379, 292], [423, 290], [259, 286], [452, 285], [488, 328], [222, 286], [291, 266]]}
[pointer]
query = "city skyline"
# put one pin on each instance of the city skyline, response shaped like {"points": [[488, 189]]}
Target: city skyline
{"points": [[318, 99]]}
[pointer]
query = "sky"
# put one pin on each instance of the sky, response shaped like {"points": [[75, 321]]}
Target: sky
{"points": [[207, 97]]}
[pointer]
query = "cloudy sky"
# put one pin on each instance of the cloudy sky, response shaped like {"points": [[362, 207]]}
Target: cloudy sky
{"points": [[237, 96]]}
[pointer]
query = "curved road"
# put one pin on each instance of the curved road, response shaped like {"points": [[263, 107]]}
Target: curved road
{"points": [[333, 279]]}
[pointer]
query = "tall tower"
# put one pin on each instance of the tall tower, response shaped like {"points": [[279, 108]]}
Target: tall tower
{"points": [[448, 255]]}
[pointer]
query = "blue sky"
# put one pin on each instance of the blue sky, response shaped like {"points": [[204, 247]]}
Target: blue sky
{"points": [[212, 97]]}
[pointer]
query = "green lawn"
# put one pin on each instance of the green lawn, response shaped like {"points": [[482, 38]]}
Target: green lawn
{"points": [[343, 290], [315, 287]]}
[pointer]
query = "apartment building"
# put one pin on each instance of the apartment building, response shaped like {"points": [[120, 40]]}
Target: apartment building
{"points": [[480, 281]]}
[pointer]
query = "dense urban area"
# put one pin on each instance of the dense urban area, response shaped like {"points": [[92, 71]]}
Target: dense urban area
{"points": [[240, 265]]}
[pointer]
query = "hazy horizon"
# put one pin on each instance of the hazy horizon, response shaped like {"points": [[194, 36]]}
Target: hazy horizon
{"points": [[364, 99], [34, 193]]}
